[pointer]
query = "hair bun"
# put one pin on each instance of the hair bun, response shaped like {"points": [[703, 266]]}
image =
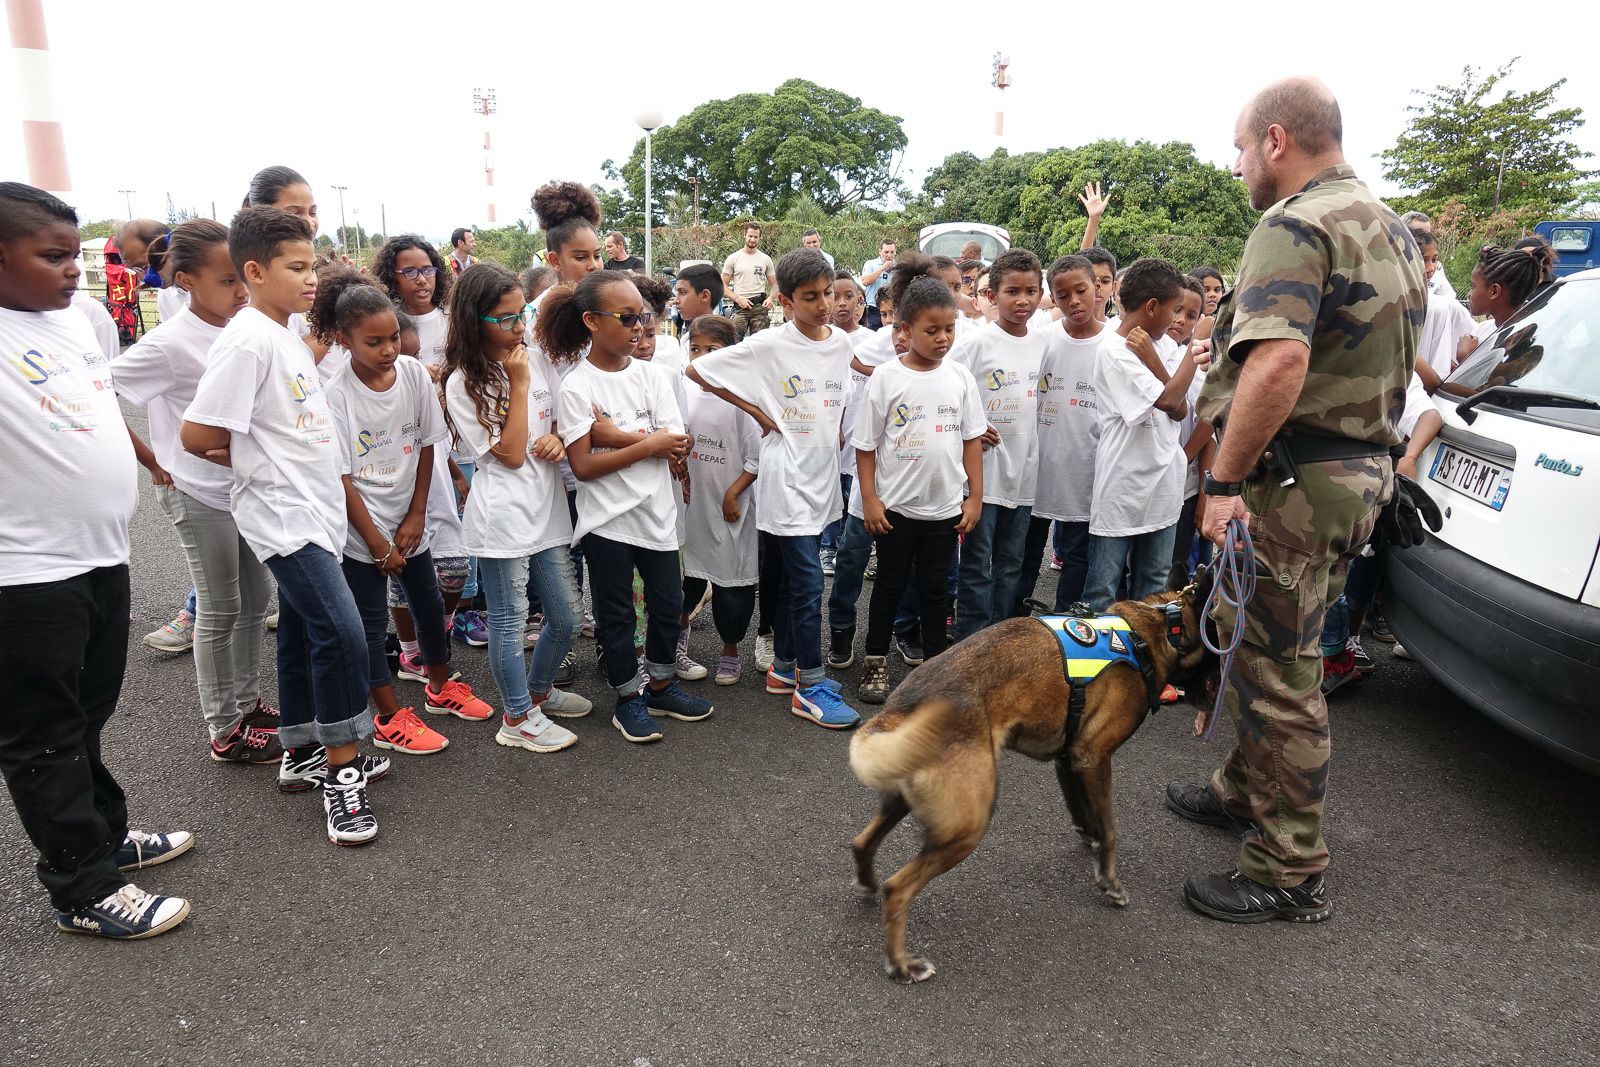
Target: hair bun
{"points": [[556, 202]]}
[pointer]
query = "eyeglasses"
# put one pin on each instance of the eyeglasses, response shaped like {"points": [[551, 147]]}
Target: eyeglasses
{"points": [[968, 283], [507, 323], [630, 318], [411, 274]]}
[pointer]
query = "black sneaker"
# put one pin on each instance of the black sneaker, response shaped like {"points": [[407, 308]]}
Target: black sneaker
{"points": [[1199, 803], [676, 703], [842, 649], [247, 744], [1364, 664], [126, 915], [344, 799], [567, 669], [1235, 898], [262, 717], [140, 849], [1378, 627], [910, 651]]}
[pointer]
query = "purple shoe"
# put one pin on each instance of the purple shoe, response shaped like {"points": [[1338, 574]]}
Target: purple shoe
{"points": [[470, 628], [729, 668]]}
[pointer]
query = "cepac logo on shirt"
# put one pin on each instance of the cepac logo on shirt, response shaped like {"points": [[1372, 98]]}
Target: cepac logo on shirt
{"points": [[996, 380], [797, 385], [36, 368], [368, 440]]}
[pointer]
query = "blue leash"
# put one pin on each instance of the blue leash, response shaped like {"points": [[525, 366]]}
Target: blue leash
{"points": [[1234, 585]]}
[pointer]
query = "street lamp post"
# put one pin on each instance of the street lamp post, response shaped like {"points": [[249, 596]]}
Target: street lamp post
{"points": [[344, 234], [127, 196], [648, 121]]}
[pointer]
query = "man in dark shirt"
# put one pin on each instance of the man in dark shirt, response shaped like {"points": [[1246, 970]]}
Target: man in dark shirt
{"points": [[617, 257]]}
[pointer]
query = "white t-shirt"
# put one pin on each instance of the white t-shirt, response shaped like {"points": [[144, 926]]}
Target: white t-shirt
{"points": [[1417, 402], [636, 505], [432, 331], [261, 385], [1138, 470], [161, 373], [1067, 424], [670, 354], [1191, 470], [727, 443], [1441, 286], [860, 339], [169, 301], [69, 485], [918, 422], [799, 384], [1443, 327], [333, 362], [1006, 369], [381, 436], [511, 513], [100, 320]]}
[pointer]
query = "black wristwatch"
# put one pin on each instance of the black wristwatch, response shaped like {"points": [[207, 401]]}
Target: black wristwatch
{"points": [[1211, 487]]}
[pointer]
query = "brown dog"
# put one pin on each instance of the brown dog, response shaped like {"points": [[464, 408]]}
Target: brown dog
{"points": [[934, 749]]}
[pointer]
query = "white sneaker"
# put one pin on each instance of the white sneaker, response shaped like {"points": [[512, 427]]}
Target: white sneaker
{"points": [[1399, 652], [175, 636], [764, 652], [687, 668], [565, 705], [536, 734]]}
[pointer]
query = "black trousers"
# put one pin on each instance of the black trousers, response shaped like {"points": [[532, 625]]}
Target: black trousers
{"points": [[611, 567], [731, 606], [63, 649], [925, 546]]}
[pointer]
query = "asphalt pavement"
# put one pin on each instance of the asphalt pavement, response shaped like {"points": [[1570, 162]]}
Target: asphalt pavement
{"points": [[688, 902]]}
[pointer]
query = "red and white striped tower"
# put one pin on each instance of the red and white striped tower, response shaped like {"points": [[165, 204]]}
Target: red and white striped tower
{"points": [[1000, 81], [42, 139], [483, 103]]}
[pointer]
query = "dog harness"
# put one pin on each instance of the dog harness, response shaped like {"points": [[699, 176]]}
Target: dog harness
{"points": [[1090, 644]]}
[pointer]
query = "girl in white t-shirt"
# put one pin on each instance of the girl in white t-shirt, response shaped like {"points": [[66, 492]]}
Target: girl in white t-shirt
{"points": [[720, 541], [919, 445], [849, 301], [418, 282], [232, 587], [388, 419], [627, 513], [500, 401]]}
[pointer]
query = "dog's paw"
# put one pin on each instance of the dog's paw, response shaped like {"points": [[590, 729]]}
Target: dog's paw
{"points": [[863, 889], [1116, 895], [916, 970]]}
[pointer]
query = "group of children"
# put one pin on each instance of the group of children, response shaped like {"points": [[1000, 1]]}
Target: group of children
{"points": [[386, 447]]}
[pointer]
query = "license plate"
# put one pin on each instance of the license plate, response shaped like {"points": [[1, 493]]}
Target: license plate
{"points": [[1472, 476]]}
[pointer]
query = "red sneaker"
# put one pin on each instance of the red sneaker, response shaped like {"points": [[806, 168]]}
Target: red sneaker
{"points": [[456, 698], [404, 732]]}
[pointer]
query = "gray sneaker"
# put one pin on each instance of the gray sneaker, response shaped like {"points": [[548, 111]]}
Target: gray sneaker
{"points": [[536, 734], [175, 636], [565, 705]]}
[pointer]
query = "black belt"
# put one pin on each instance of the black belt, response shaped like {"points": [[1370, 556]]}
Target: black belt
{"points": [[1280, 461]]}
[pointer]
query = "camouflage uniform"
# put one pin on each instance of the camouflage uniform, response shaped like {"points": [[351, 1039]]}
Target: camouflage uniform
{"points": [[1333, 267]]}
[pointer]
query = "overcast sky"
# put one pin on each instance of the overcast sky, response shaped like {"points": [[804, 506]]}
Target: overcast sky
{"points": [[192, 97]]}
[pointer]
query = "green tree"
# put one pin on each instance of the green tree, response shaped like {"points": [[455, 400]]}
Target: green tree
{"points": [[91, 231], [1164, 201], [755, 154], [965, 188], [512, 246], [1514, 151]]}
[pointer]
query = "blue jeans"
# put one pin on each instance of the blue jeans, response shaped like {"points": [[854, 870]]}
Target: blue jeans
{"points": [[990, 568], [1071, 542], [371, 590], [797, 621], [535, 604], [1360, 591], [322, 652], [1148, 556], [849, 571], [830, 533], [505, 587]]}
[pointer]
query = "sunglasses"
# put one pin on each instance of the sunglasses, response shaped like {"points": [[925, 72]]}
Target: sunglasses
{"points": [[411, 274], [506, 323], [630, 318]]}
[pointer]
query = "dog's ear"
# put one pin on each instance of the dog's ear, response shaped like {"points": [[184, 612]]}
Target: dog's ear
{"points": [[1177, 578], [1203, 577]]}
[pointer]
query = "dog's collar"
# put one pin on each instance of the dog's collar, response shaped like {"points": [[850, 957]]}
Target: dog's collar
{"points": [[1173, 611]]}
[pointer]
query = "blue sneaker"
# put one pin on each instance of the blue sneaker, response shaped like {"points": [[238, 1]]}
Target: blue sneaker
{"points": [[632, 718], [126, 915], [470, 628], [780, 682], [675, 703], [140, 849], [822, 704]]}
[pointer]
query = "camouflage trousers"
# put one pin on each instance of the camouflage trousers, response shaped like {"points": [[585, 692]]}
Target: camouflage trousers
{"points": [[754, 318], [1277, 773]]}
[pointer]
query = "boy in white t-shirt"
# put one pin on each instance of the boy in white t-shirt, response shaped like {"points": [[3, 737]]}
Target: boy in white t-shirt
{"points": [[1138, 471], [68, 494], [1067, 421], [260, 409], [792, 382], [1004, 358]]}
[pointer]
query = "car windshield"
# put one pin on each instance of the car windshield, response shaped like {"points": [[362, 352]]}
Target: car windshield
{"points": [[949, 244], [1551, 345]]}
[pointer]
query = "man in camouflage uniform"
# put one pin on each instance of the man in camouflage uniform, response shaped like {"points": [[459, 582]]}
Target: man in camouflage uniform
{"points": [[1312, 351]]}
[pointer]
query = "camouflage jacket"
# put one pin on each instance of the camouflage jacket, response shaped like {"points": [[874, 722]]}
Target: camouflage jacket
{"points": [[1333, 267]]}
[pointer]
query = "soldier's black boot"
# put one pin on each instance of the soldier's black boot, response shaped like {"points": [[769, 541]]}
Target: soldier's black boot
{"points": [[1236, 898], [1199, 803]]}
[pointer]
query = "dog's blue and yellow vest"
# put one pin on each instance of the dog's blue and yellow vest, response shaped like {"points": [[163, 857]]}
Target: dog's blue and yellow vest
{"points": [[1091, 643]]}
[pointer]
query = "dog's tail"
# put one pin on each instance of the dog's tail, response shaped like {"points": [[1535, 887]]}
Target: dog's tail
{"points": [[882, 759]]}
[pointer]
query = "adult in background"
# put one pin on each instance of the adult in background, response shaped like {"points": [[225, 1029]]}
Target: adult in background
{"points": [[1313, 349], [874, 279], [813, 240], [617, 257], [462, 242], [750, 280]]}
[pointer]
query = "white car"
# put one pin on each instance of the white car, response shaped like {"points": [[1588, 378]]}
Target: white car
{"points": [[1503, 604], [947, 239]]}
